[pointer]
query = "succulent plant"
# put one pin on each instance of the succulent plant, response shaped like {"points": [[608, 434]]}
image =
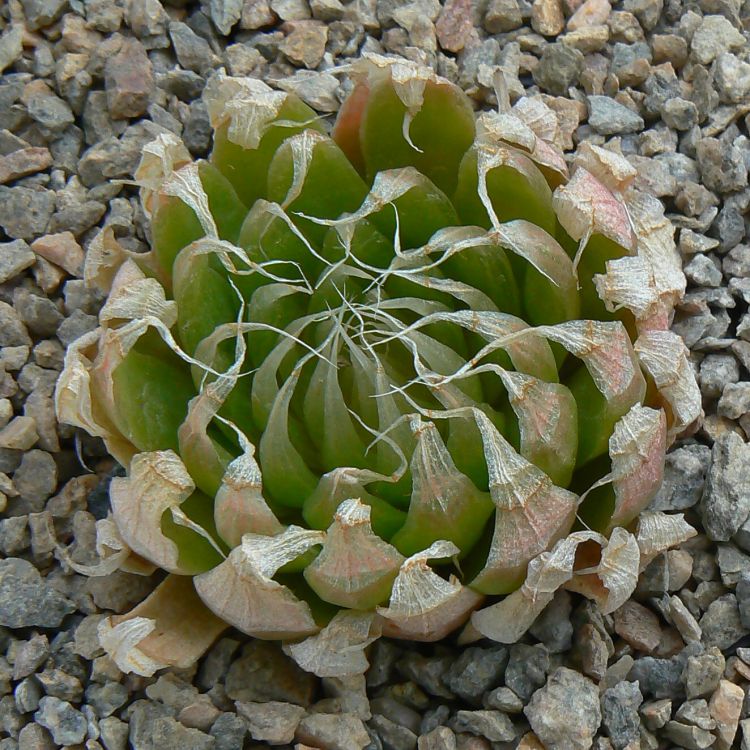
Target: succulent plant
{"points": [[366, 379]]}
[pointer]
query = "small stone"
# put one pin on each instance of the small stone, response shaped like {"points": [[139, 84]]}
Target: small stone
{"points": [[702, 271], [553, 627], [272, 721], [722, 166], [440, 738], [392, 734], [684, 621], [703, 672], [129, 81], [527, 669], [114, 733], [726, 497], [559, 68], [35, 479], [316, 89], [39, 313], [66, 725], [735, 400], [306, 43], [30, 656], [716, 371], [609, 117], [35, 737], [455, 27], [25, 598], [504, 699], [620, 713], [25, 212], [732, 77], [547, 17], [502, 16], [680, 114], [225, 14], [19, 434], [23, 162], [725, 707], [426, 671], [492, 725], [590, 13], [732, 564], [714, 35], [638, 626], [256, 14], [14, 257], [230, 731], [688, 736], [721, 624], [476, 671], [11, 46], [107, 698], [333, 732], [193, 51], [61, 249], [656, 714], [264, 673], [595, 651], [291, 10], [50, 112], [659, 678], [565, 713]]}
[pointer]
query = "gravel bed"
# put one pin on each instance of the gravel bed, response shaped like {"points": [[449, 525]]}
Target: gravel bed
{"points": [[84, 84]]}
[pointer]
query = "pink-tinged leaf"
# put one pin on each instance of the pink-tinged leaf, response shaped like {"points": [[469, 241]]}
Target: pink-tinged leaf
{"points": [[613, 170], [586, 207], [240, 507], [339, 649], [664, 356], [658, 532], [637, 449], [355, 568], [510, 618], [241, 590], [157, 482], [170, 628], [531, 512], [424, 606], [612, 580], [548, 423]]}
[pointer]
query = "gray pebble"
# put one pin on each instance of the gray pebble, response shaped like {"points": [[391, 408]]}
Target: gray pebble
{"points": [[565, 713], [527, 669], [735, 400], [620, 713], [428, 672], [15, 257], [27, 694], [684, 477], [50, 112], [26, 599], [230, 731], [66, 725], [271, 721], [716, 371], [721, 624], [492, 725], [39, 314], [35, 737], [703, 672], [714, 35], [553, 627], [703, 271], [193, 52], [106, 699], [333, 731], [30, 655], [114, 733], [75, 326], [609, 117], [476, 671], [24, 212], [726, 496], [392, 735], [559, 68]]}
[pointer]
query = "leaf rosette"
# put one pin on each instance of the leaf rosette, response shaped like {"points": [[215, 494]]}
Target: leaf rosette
{"points": [[369, 377]]}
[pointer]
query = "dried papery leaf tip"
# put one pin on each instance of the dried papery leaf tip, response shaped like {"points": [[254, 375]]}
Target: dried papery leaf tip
{"points": [[373, 374]]}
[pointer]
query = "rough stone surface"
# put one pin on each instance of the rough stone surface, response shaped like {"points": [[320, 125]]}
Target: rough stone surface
{"points": [[565, 713]]}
